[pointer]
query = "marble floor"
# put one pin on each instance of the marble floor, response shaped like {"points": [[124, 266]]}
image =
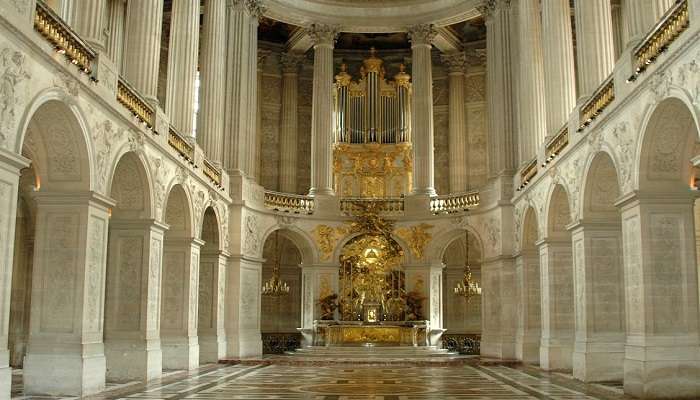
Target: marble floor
{"points": [[286, 382]]}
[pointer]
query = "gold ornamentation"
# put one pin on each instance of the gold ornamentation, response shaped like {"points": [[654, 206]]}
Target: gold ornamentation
{"points": [[326, 238], [417, 237], [373, 170]]}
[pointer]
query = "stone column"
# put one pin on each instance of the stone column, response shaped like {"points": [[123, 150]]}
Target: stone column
{"points": [[661, 295], [502, 156], [289, 123], [142, 46], [65, 355], [241, 93], [498, 304], [557, 302], [182, 65], [132, 303], [178, 327], [316, 281], [88, 21], [258, 138], [210, 122], [641, 15], [457, 126], [427, 280], [10, 166], [594, 43], [323, 37], [115, 25], [421, 37], [560, 82], [531, 79], [242, 312], [527, 278], [212, 284], [599, 347]]}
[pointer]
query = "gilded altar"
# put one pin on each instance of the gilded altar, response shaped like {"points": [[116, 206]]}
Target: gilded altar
{"points": [[351, 333]]}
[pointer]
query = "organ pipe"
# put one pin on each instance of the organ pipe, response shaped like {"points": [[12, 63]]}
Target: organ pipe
{"points": [[372, 109]]}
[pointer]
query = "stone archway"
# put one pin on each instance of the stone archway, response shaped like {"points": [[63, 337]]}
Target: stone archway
{"points": [[460, 316], [178, 319], [132, 283], [599, 276], [527, 277], [67, 265], [659, 259]]}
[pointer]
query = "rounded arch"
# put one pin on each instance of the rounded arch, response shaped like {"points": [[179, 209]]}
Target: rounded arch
{"points": [[211, 230], [54, 136], [347, 238], [299, 238], [178, 212], [444, 240], [601, 188], [667, 142], [558, 212], [130, 187], [530, 233]]}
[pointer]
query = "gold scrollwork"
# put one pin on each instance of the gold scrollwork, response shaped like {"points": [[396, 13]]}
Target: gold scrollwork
{"points": [[417, 237]]}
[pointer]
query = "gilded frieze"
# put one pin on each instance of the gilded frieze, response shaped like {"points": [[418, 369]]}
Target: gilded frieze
{"points": [[417, 237]]}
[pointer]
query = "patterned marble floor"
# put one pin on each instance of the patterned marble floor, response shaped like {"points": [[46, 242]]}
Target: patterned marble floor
{"points": [[280, 382]]}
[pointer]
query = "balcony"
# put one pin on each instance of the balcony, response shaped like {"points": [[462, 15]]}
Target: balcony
{"points": [[454, 203], [388, 206], [289, 203]]}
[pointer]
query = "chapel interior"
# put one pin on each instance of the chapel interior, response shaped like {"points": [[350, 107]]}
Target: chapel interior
{"points": [[350, 199]]}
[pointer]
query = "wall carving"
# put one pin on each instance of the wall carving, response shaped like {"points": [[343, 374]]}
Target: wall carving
{"points": [[60, 239], [174, 280], [249, 299], [154, 271], [103, 136], [193, 293], [94, 278], [161, 178], [14, 72], [129, 284], [417, 237], [251, 233], [326, 238]]}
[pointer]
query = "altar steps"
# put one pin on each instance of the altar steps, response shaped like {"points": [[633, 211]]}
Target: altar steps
{"points": [[370, 352]]}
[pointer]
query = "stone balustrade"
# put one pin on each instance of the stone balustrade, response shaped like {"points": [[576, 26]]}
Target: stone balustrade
{"points": [[556, 145], [64, 39], [454, 203], [599, 101], [527, 173], [674, 22], [135, 103], [289, 203], [181, 145], [212, 172]]}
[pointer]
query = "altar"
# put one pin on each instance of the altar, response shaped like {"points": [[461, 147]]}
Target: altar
{"points": [[358, 333]]}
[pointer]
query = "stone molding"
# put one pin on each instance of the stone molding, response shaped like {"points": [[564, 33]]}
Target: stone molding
{"points": [[321, 34], [422, 34]]}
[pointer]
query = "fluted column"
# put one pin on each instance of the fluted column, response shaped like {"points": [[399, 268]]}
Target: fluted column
{"points": [[323, 37], [257, 142], [457, 128], [595, 44], [210, 121], [421, 37], [641, 15], [289, 122], [88, 21], [531, 80], [560, 82], [142, 46], [115, 26], [182, 65], [499, 88], [241, 90]]}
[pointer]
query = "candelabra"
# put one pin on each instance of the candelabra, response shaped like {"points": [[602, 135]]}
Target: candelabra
{"points": [[467, 287], [275, 286]]}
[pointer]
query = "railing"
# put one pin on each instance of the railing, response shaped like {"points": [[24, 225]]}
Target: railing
{"points": [[64, 39], [556, 145], [383, 205], [287, 202], [462, 343], [181, 145], [656, 42], [600, 100], [132, 100], [211, 172], [454, 203], [280, 343], [526, 175]]}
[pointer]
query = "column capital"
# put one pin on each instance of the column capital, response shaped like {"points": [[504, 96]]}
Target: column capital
{"points": [[263, 54], [489, 6], [475, 57], [456, 62], [422, 34], [254, 7], [323, 34], [291, 61]]}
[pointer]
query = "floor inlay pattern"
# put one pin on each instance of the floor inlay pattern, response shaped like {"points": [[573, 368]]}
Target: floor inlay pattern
{"points": [[284, 382]]}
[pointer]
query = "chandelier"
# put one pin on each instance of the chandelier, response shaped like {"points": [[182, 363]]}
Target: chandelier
{"points": [[275, 287], [467, 287]]}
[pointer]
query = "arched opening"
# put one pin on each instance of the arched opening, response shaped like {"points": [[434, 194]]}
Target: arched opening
{"points": [[660, 264], [281, 315], [527, 277], [133, 269], [212, 272], [461, 316], [179, 290], [600, 305], [60, 249], [557, 286]]}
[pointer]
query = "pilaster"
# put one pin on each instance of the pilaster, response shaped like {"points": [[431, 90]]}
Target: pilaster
{"points": [[498, 308], [242, 314], [289, 122], [212, 300], [528, 332], [457, 125]]}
